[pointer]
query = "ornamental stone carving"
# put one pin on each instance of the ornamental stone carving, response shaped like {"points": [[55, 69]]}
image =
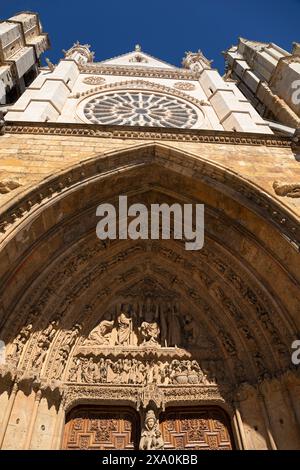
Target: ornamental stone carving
{"points": [[18, 344], [151, 437], [81, 53], [186, 86], [146, 323], [144, 371], [140, 108], [9, 184], [196, 61], [94, 80], [138, 58], [287, 189]]}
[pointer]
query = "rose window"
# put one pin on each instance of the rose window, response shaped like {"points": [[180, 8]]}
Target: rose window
{"points": [[140, 109]]}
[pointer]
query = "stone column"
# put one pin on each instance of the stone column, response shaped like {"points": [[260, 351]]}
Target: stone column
{"points": [[265, 414], [238, 422], [32, 420], [8, 411], [59, 427]]}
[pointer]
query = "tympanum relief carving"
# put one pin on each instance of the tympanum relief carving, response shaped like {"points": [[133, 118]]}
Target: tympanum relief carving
{"points": [[136, 371], [145, 342], [144, 324]]}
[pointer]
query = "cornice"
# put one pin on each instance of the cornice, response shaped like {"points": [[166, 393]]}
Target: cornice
{"points": [[149, 72], [147, 133]]}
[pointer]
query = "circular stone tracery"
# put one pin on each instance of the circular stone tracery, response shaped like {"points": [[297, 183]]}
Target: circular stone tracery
{"points": [[140, 109]]}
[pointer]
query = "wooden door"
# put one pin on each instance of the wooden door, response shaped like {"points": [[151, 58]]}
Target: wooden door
{"points": [[106, 428], [196, 428]]}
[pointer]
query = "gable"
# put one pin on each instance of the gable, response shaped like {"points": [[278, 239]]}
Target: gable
{"points": [[136, 58]]}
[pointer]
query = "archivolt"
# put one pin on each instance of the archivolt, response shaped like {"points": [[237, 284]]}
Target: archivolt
{"points": [[59, 270]]}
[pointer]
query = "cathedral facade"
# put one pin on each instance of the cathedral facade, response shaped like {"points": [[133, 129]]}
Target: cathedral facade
{"points": [[126, 344]]}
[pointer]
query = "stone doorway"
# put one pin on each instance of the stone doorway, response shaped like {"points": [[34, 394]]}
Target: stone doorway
{"points": [[102, 428], [111, 428]]}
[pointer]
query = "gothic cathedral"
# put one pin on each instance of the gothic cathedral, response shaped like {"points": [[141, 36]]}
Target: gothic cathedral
{"points": [[140, 343]]}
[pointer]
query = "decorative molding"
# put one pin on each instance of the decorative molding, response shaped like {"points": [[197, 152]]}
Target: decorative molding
{"points": [[184, 86], [140, 396], [144, 85], [138, 58], [93, 80], [142, 108], [131, 71], [257, 200], [204, 136]]}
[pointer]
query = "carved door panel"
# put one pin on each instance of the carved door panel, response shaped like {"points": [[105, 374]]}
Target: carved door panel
{"points": [[101, 429], [196, 428]]}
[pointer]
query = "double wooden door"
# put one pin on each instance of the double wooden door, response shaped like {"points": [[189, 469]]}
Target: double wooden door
{"points": [[108, 428]]}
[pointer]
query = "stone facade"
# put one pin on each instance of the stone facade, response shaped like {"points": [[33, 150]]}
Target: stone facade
{"points": [[269, 77], [144, 326], [22, 42]]}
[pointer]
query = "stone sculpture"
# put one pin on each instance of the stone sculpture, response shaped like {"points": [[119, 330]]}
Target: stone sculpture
{"points": [[151, 437]]}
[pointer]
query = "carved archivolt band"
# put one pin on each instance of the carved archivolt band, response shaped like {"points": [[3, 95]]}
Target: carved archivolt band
{"points": [[49, 190], [142, 85]]}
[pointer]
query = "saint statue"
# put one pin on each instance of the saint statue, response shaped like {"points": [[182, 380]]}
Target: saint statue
{"points": [[149, 328], [124, 328], [151, 438]]}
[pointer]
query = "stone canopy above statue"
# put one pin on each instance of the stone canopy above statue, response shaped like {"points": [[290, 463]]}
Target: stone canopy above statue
{"points": [[148, 323]]}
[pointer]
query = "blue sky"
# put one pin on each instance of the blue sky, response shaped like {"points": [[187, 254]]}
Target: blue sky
{"points": [[164, 28]]}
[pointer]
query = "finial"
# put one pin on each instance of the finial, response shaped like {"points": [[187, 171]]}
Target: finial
{"points": [[138, 48], [50, 65]]}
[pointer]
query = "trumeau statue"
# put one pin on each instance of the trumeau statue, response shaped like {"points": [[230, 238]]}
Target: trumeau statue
{"points": [[151, 438]]}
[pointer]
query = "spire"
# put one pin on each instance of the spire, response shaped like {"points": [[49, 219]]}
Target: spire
{"points": [[81, 53], [196, 61]]}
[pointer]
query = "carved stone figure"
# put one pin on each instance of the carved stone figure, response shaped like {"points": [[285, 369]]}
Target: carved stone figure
{"points": [[101, 335], [287, 189], [70, 338], [89, 371], [151, 438], [75, 371], [227, 343], [103, 366], [19, 343], [60, 363], [43, 344], [134, 371], [124, 323], [149, 328]]}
